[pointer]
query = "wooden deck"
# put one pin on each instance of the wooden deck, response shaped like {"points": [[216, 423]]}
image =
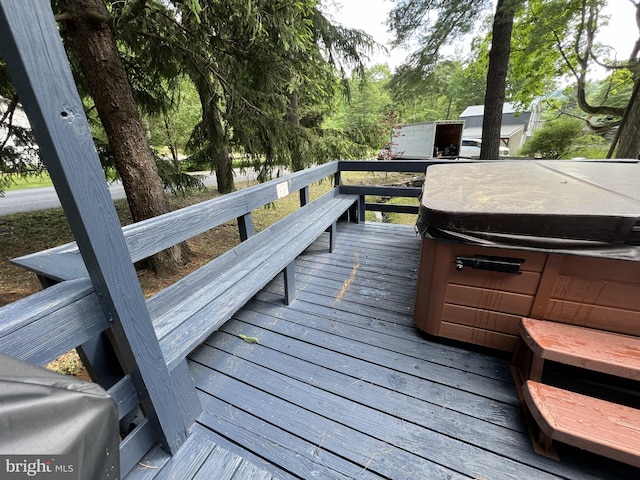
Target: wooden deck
{"points": [[341, 385]]}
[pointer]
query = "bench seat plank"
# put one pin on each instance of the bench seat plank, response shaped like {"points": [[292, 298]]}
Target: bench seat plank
{"points": [[596, 350], [601, 427]]}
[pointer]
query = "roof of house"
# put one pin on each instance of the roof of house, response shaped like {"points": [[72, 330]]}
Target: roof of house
{"points": [[478, 110]]}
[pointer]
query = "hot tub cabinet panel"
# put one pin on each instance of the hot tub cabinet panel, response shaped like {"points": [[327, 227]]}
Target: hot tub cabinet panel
{"points": [[484, 307]]}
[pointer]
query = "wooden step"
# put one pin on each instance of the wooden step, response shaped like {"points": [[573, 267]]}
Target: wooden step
{"points": [[601, 427], [596, 350]]}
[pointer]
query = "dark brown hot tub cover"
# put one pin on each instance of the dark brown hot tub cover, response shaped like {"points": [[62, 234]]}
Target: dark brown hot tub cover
{"points": [[587, 208]]}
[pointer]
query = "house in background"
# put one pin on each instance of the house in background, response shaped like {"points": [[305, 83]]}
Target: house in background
{"points": [[517, 127], [16, 143]]}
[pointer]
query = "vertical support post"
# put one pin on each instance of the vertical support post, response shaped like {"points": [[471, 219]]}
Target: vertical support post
{"points": [[353, 212], [289, 283], [361, 210], [46, 282], [101, 361], [245, 226], [34, 55], [333, 231], [337, 178], [304, 196]]}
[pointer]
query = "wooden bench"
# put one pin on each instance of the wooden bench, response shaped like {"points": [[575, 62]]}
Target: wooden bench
{"points": [[188, 311], [583, 421], [601, 427], [145, 238]]}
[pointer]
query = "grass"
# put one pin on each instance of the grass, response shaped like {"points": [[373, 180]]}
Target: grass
{"points": [[30, 232], [38, 180], [31, 181]]}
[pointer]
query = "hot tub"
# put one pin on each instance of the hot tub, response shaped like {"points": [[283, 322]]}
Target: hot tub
{"points": [[554, 240]]}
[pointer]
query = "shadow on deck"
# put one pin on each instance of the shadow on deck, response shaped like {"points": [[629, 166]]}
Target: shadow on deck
{"points": [[341, 385]]}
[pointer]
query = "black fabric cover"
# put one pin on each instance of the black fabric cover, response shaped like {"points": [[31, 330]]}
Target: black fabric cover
{"points": [[586, 208], [42, 412]]}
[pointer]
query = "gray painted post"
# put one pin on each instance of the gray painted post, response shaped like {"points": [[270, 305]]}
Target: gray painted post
{"points": [[361, 210], [97, 354], [333, 231], [304, 196], [289, 283], [245, 226], [32, 49]]}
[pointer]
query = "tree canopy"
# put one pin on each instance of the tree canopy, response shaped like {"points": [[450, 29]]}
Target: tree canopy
{"points": [[277, 83], [438, 23]]}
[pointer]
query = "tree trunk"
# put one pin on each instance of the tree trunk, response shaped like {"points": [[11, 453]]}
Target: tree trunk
{"points": [[293, 119], [215, 136], [497, 78], [629, 135], [96, 50]]}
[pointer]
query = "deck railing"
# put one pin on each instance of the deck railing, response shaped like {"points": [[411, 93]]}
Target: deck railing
{"points": [[418, 167]]}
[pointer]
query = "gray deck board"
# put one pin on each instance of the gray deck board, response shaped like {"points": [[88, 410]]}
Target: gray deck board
{"points": [[341, 384], [376, 336]]}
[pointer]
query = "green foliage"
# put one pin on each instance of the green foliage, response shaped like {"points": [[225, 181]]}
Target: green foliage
{"points": [[614, 91], [433, 25], [172, 127], [368, 116], [19, 154], [176, 180], [554, 139], [441, 94]]}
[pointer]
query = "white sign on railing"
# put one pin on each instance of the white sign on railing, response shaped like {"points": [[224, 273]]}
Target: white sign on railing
{"points": [[282, 189]]}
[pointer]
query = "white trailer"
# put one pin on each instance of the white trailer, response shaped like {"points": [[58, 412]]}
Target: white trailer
{"points": [[420, 141]]}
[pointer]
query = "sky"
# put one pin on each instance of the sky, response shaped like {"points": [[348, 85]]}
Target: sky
{"points": [[371, 15]]}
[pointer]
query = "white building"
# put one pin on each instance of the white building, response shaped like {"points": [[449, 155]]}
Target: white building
{"points": [[19, 119], [517, 127]]}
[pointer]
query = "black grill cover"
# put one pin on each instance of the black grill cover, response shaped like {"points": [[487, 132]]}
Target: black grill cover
{"points": [[45, 413]]}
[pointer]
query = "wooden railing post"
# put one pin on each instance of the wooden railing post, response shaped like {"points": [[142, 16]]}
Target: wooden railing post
{"points": [[304, 196], [362, 209], [245, 226], [32, 49]]}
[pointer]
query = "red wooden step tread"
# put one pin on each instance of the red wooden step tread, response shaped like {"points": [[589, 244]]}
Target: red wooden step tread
{"points": [[589, 423], [586, 348]]}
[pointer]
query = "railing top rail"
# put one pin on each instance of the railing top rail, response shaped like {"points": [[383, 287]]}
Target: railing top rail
{"points": [[150, 236], [192, 220]]}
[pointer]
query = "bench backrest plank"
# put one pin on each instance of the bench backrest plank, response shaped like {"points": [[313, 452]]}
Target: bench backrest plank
{"points": [[148, 237], [154, 235]]}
